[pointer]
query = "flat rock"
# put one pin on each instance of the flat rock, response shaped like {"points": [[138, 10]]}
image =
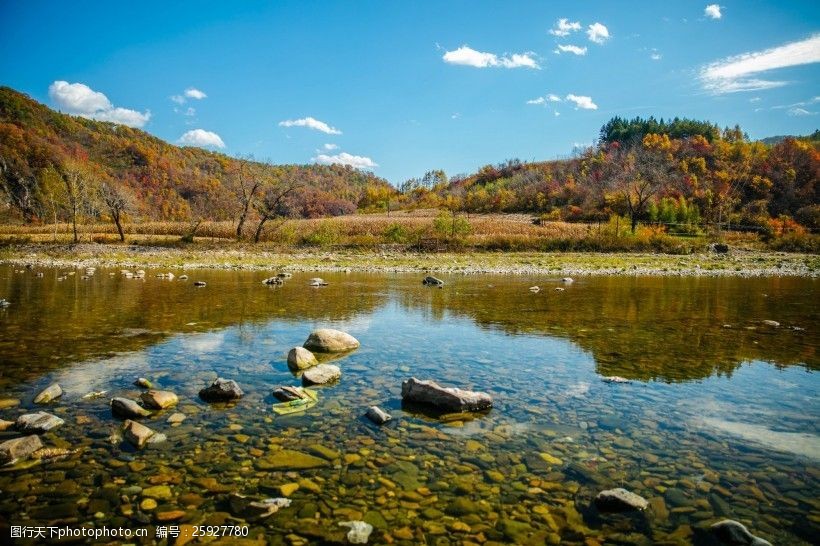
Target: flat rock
{"points": [[37, 422], [619, 500], [137, 433], [221, 390], [19, 448], [328, 340], [52, 392], [321, 374], [159, 399], [176, 418], [123, 407], [444, 398], [300, 358], [377, 415], [432, 281], [734, 533], [289, 459], [289, 394]]}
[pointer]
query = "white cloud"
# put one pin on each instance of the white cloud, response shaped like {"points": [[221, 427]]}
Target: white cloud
{"points": [[732, 74], [179, 99], [310, 123], [344, 158], [564, 27], [754, 99], [331, 147], [801, 112], [81, 100], [545, 99], [712, 11], [468, 56], [201, 138], [655, 55], [597, 33], [194, 93], [582, 102], [574, 49]]}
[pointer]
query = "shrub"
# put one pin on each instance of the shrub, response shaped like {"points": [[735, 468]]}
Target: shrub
{"points": [[396, 233], [449, 224], [324, 235]]}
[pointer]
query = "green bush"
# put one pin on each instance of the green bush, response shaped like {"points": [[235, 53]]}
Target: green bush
{"points": [[396, 233], [324, 235], [451, 225]]}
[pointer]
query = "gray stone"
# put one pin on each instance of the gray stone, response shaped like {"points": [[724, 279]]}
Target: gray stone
{"points": [[377, 415], [359, 531], [123, 407], [159, 399], [300, 358], [273, 280], [772, 323], [289, 394], [221, 390], [48, 394], [328, 340], [321, 374], [432, 281], [735, 533], [444, 398], [38, 422], [619, 500], [19, 448]]}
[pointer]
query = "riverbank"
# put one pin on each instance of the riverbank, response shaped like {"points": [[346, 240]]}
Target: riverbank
{"points": [[740, 262]]}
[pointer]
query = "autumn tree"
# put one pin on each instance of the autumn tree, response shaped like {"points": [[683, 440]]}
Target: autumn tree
{"points": [[78, 190], [245, 183], [271, 205], [117, 201]]}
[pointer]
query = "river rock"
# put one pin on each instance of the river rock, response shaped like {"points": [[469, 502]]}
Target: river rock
{"points": [[200, 284], [772, 323], [250, 509], [5, 425], [273, 280], [289, 394], [176, 418], [221, 390], [567, 280], [300, 358], [143, 383], [48, 394], [444, 398], [289, 459], [619, 500], [316, 281], [377, 415], [37, 422], [137, 433], [159, 399], [735, 533], [328, 340], [19, 448], [359, 531], [432, 281], [123, 407], [321, 374]]}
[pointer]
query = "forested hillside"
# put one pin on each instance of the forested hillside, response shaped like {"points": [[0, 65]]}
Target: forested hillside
{"points": [[682, 173]]}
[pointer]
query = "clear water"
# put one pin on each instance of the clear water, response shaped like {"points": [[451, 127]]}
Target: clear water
{"points": [[720, 418]]}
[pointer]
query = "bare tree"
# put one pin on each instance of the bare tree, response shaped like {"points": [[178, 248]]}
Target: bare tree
{"points": [[271, 205], [246, 184], [77, 182], [118, 201]]}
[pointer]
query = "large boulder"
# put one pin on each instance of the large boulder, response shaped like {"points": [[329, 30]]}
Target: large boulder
{"points": [[619, 500], [37, 422], [221, 390], [734, 533], [52, 392], [328, 340], [321, 374], [448, 399], [300, 358], [128, 409], [159, 399], [19, 448]]}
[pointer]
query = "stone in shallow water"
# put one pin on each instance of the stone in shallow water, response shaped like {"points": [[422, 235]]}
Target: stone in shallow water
{"points": [[250, 509], [359, 531], [377, 415], [288, 459], [19, 448], [321, 374], [159, 399], [144, 383], [123, 407], [136, 433], [52, 392], [300, 358], [619, 500], [735, 533], [221, 390], [37, 422], [444, 398], [328, 340], [176, 418]]}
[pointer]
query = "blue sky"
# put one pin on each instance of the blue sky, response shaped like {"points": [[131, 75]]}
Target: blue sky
{"points": [[401, 88]]}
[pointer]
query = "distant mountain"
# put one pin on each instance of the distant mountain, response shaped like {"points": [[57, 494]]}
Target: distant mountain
{"points": [[167, 182], [772, 140]]}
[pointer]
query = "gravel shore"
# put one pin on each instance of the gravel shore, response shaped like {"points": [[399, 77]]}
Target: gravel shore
{"points": [[738, 262]]}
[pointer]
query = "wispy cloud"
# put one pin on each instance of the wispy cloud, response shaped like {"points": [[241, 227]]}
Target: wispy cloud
{"points": [[201, 138], [310, 123], [799, 112], [467, 56], [563, 27], [598, 33], [583, 102], [545, 99], [737, 73], [330, 147], [344, 158], [194, 93], [81, 100], [712, 11], [574, 49]]}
